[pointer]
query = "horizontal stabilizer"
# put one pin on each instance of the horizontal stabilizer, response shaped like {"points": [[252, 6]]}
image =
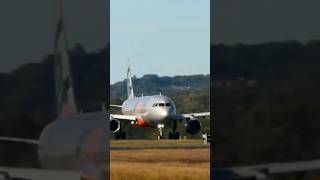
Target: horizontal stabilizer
{"points": [[39, 174], [263, 171], [20, 140]]}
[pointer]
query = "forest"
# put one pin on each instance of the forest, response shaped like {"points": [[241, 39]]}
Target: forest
{"points": [[266, 102]]}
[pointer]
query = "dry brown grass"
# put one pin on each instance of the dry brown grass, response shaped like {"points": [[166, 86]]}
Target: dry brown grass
{"points": [[164, 164]]}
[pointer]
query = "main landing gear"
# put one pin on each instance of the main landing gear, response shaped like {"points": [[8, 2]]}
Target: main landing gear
{"points": [[120, 135], [174, 134]]}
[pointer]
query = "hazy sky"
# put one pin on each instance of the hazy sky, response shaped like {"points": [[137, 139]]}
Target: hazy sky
{"points": [[164, 37], [27, 28]]}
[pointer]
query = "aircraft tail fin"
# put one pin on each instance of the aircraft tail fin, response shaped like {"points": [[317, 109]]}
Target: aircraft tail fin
{"points": [[66, 104], [129, 84]]}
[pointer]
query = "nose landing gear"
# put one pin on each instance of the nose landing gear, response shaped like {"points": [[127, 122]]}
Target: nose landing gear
{"points": [[160, 129]]}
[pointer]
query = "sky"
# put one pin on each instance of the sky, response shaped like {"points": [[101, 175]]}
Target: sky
{"points": [[28, 27], [164, 37]]}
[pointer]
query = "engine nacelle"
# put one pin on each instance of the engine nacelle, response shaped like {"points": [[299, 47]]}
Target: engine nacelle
{"points": [[114, 125], [193, 126]]}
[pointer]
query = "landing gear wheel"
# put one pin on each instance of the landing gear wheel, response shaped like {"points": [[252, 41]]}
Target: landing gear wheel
{"points": [[176, 135], [170, 135], [123, 135], [117, 136], [120, 135]]}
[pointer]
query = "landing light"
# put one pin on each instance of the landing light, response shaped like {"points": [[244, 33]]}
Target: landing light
{"points": [[160, 125]]}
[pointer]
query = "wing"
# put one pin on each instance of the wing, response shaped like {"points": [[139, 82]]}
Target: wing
{"points": [[117, 106], [123, 117], [33, 173], [266, 170], [38, 174], [20, 140], [192, 115]]}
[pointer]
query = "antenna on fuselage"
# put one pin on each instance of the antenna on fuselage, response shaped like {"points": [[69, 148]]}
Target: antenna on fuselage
{"points": [[160, 94]]}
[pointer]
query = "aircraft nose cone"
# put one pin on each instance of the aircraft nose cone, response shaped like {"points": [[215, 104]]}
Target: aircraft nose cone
{"points": [[163, 113]]}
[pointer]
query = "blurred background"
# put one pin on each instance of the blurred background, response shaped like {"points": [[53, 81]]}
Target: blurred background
{"points": [[27, 100], [265, 68]]}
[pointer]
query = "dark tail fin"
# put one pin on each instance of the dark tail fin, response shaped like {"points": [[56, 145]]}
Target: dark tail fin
{"points": [[66, 105]]}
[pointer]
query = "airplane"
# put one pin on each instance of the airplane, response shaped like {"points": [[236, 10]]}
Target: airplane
{"points": [[152, 111], [73, 142], [297, 170]]}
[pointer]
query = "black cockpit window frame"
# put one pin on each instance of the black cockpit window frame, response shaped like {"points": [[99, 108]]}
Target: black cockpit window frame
{"points": [[161, 104]]}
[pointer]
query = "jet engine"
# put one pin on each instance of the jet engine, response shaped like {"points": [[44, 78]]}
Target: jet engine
{"points": [[193, 126], [114, 125]]}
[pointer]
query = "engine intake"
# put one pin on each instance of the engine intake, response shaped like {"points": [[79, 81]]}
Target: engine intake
{"points": [[114, 125], [193, 126]]}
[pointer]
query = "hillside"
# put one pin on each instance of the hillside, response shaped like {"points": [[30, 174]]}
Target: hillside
{"points": [[153, 84], [266, 102]]}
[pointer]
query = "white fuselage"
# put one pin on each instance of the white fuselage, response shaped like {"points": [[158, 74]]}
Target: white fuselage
{"points": [[79, 143], [151, 110]]}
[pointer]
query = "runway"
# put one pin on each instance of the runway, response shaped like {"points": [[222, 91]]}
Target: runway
{"points": [[157, 144]]}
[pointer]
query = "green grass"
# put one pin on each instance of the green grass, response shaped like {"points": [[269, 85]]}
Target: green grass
{"points": [[154, 142]]}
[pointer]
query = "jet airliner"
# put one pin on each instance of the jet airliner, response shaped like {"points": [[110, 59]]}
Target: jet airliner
{"points": [[152, 111]]}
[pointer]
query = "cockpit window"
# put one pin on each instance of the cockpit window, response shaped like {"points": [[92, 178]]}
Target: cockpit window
{"points": [[161, 104]]}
